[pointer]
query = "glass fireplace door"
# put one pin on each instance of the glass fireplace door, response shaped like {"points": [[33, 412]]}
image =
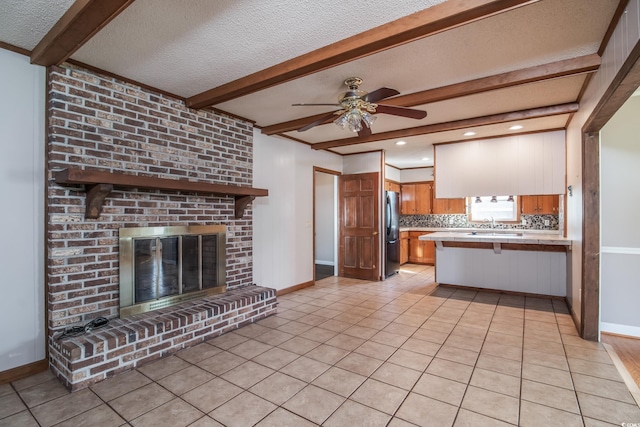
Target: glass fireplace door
{"points": [[161, 266]]}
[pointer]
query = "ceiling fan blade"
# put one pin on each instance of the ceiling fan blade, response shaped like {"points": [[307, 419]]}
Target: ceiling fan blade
{"points": [[382, 93], [307, 105], [320, 121], [401, 111], [365, 131]]}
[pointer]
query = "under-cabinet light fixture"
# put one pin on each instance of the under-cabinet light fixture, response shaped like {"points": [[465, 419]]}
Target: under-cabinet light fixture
{"points": [[515, 127], [400, 143], [469, 133]]}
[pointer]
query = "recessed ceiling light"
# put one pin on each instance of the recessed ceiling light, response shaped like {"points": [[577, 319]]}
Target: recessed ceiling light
{"points": [[400, 143], [515, 127], [469, 133]]}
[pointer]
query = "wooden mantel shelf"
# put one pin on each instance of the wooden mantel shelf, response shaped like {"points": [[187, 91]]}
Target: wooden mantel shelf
{"points": [[99, 184]]}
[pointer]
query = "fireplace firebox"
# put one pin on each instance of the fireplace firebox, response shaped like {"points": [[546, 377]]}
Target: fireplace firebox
{"points": [[163, 266]]}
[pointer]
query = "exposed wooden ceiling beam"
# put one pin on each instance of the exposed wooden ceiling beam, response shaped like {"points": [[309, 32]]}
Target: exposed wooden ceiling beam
{"points": [[435, 19], [567, 67], [83, 19], [533, 113]]}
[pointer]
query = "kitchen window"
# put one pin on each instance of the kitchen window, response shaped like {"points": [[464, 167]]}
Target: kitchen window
{"points": [[498, 208]]}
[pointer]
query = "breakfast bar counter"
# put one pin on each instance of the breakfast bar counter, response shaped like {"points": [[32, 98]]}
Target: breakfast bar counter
{"points": [[510, 260]]}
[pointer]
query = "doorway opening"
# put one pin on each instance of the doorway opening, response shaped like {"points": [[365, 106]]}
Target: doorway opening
{"points": [[624, 84], [325, 223]]}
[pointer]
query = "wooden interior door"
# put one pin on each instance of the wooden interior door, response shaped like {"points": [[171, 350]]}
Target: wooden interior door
{"points": [[359, 247]]}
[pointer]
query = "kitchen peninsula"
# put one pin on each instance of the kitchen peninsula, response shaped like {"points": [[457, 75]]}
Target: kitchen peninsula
{"points": [[509, 260]]}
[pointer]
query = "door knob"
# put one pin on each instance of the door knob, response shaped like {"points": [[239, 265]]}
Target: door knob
{"points": [[374, 233]]}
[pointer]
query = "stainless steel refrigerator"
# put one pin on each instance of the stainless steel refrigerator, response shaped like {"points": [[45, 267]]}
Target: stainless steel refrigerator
{"points": [[392, 235]]}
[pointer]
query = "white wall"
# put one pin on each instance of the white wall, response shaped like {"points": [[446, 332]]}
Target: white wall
{"points": [[619, 207], [391, 173], [416, 175], [22, 125], [624, 38], [283, 221], [362, 163], [325, 218]]}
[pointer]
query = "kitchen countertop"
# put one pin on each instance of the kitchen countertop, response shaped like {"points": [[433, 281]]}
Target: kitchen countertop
{"points": [[530, 237]]}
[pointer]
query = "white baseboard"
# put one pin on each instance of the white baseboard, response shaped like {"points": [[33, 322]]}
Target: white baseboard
{"points": [[631, 331], [318, 261]]}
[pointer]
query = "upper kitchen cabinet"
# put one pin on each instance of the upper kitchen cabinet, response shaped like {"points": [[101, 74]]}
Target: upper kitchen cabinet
{"points": [[416, 198], [540, 205], [391, 186], [449, 206], [519, 164]]}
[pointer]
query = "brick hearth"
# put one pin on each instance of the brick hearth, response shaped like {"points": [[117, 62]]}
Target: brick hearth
{"points": [[126, 343]]}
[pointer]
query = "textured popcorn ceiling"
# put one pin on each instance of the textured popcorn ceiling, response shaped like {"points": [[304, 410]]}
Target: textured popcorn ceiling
{"points": [[189, 46], [208, 43], [24, 22]]}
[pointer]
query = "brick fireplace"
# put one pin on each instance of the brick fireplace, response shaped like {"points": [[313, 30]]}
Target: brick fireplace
{"points": [[100, 123]]}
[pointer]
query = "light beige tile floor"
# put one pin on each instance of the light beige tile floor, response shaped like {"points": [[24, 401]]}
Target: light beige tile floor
{"points": [[402, 352]]}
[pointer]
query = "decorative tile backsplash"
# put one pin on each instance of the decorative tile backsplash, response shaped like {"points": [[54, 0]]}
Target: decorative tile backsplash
{"points": [[534, 222]]}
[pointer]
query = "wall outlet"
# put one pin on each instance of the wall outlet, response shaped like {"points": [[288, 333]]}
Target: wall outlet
{"points": [[450, 220], [523, 222], [546, 222]]}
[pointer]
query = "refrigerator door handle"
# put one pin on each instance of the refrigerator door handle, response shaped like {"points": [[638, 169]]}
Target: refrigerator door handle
{"points": [[388, 216]]}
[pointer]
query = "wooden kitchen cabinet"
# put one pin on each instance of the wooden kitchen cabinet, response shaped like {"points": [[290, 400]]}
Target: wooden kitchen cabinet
{"points": [[404, 247], [421, 251], [449, 206], [416, 198], [540, 205], [391, 186]]}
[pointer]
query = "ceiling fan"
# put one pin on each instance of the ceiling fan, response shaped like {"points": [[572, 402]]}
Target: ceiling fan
{"points": [[357, 108]]}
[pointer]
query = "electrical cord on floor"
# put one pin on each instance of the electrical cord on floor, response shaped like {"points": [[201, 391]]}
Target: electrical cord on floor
{"points": [[74, 331]]}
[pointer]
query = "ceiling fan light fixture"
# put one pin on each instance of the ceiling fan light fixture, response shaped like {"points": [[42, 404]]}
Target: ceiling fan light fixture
{"points": [[368, 119], [354, 120], [342, 121], [358, 107]]}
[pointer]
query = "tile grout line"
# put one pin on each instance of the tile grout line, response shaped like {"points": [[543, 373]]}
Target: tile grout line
{"points": [[476, 363], [389, 296]]}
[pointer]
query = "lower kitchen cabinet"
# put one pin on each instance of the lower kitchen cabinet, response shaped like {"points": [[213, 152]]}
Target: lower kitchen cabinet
{"points": [[404, 247], [421, 251]]}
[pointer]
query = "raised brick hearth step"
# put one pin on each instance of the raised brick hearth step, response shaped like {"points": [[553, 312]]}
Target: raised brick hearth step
{"points": [[126, 343]]}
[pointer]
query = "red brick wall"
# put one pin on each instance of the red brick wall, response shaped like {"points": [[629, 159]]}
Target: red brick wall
{"points": [[98, 122]]}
